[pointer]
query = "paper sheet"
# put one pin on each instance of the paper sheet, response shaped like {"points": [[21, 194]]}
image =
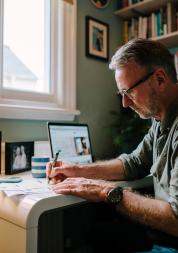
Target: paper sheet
{"points": [[27, 186]]}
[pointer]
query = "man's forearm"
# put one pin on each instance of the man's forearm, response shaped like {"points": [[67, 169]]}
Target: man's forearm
{"points": [[154, 213], [107, 170]]}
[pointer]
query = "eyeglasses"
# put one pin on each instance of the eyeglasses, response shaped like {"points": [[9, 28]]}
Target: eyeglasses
{"points": [[128, 91]]}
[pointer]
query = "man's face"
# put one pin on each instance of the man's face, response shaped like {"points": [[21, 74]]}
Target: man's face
{"points": [[136, 86]]}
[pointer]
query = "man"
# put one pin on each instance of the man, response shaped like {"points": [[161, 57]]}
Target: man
{"points": [[146, 79]]}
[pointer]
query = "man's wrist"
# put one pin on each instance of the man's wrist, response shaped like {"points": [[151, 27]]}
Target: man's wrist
{"points": [[115, 195], [104, 194]]}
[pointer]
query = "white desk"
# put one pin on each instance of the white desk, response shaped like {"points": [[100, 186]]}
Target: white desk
{"points": [[19, 217]]}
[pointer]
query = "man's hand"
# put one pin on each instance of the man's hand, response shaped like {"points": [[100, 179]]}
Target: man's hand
{"points": [[90, 189], [61, 171], [107, 170]]}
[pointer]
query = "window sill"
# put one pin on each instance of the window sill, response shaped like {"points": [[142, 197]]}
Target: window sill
{"points": [[36, 113]]}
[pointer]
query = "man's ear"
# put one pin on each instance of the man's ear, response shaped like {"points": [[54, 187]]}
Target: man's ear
{"points": [[161, 77], [160, 80]]}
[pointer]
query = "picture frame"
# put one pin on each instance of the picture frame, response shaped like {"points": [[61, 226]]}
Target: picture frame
{"points": [[18, 157], [97, 39], [100, 4]]}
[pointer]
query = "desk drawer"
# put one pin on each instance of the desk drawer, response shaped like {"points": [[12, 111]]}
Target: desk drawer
{"points": [[50, 232], [66, 230]]}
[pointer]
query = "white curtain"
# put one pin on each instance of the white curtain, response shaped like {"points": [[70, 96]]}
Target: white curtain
{"points": [[67, 50]]}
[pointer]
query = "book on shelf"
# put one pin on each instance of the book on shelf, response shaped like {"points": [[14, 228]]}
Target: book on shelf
{"points": [[161, 22], [126, 3], [126, 31], [164, 20], [176, 62], [171, 17]]}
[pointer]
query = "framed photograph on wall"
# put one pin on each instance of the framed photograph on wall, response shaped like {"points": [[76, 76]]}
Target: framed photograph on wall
{"points": [[97, 39], [18, 156], [100, 3]]}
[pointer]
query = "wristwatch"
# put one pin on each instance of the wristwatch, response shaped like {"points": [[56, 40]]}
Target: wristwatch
{"points": [[114, 196]]}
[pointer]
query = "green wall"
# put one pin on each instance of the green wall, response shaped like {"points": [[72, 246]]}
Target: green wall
{"points": [[95, 89], [23, 130]]}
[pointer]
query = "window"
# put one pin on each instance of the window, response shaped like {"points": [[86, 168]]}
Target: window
{"points": [[37, 63], [26, 45]]}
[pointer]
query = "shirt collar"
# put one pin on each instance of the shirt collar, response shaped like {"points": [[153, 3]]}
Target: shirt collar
{"points": [[172, 113]]}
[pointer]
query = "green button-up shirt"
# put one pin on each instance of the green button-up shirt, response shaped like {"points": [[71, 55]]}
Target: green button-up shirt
{"points": [[158, 154]]}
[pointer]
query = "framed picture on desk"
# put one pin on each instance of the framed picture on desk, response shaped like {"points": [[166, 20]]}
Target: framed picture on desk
{"points": [[18, 156]]}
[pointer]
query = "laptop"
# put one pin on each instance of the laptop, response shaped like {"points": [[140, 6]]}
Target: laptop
{"points": [[72, 140]]}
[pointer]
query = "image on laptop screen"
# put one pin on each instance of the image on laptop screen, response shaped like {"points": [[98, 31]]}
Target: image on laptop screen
{"points": [[72, 140]]}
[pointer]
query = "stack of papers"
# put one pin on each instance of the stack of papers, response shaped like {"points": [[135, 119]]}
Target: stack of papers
{"points": [[28, 186]]}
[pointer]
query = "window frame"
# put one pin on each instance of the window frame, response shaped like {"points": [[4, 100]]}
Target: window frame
{"points": [[61, 103]]}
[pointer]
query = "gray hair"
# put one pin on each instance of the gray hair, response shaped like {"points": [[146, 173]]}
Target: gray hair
{"points": [[146, 53]]}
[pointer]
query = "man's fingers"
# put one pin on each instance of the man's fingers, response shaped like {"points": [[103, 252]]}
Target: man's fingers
{"points": [[57, 171], [52, 171], [65, 188], [60, 177]]}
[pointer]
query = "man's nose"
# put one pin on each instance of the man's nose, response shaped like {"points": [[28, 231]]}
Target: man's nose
{"points": [[126, 101]]}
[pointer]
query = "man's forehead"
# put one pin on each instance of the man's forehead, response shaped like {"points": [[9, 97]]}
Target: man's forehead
{"points": [[129, 69]]}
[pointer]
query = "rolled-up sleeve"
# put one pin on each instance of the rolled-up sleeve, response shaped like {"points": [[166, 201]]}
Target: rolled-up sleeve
{"points": [[173, 188], [173, 191], [138, 163]]}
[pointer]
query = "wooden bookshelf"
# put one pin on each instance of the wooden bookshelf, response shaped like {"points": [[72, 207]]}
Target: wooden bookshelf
{"points": [[144, 8], [169, 40]]}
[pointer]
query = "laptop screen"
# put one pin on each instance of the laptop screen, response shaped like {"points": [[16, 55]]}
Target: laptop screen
{"points": [[72, 140]]}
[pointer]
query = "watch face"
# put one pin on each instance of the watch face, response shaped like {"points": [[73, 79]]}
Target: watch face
{"points": [[115, 195]]}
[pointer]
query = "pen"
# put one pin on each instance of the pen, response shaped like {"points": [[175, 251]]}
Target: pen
{"points": [[54, 162]]}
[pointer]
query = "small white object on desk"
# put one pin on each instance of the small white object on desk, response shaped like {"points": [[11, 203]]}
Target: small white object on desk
{"points": [[10, 180]]}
